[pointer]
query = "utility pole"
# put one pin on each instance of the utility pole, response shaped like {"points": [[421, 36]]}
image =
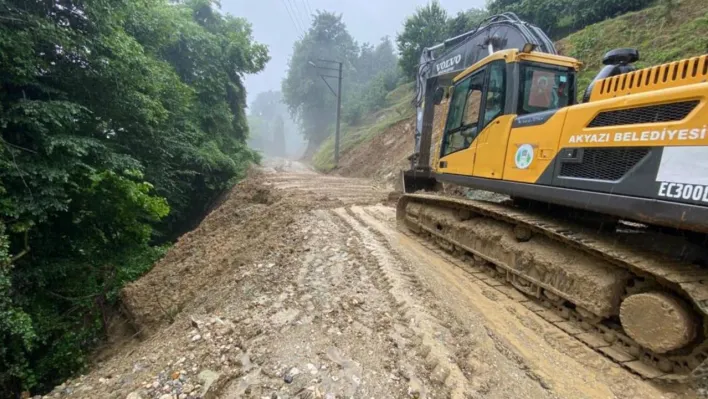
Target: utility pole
{"points": [[338, 94], [339, 112]]}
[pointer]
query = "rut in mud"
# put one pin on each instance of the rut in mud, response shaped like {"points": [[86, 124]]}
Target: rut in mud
{"points": [[300, 286]]}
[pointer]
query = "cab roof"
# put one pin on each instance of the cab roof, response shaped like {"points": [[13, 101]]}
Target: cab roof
{"points": [[514, 55]]}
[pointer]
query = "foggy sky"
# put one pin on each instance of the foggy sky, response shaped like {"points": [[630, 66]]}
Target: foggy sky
{"points": [[366, 20]]}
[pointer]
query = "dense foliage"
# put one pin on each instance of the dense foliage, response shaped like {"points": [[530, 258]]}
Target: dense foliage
{"points": [[431, 25], [310, 99], [560, 17], [120, 121], [307, 96], [375, 74]]}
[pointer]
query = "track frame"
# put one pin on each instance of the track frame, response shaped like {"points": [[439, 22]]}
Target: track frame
{"points": [[605, 336]]}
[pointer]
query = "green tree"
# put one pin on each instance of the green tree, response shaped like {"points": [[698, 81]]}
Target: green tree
{"points": [[210, 53], [465, 21], [428, 26], [560, 17], [372, 60], [309, 99], [112, 114]]}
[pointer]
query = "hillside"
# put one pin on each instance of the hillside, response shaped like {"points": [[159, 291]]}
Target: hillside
{"points": [[670, 31], [379, 145], [396, 111]]}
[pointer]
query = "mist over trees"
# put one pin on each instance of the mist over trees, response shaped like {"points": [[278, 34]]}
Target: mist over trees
{"points": [[308, 98], [369, 72], [376, 73], [120, 122], [272, 130]]}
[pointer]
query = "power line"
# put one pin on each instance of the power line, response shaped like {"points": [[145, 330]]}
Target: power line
{"points": [[297, 29], [309, 9], [296, 13], [306, 18]]}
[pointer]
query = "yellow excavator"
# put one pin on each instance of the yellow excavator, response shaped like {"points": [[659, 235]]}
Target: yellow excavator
{"points": [[604, 220]]}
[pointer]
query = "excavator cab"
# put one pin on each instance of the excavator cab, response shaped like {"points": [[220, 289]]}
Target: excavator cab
{"points": [[506, 90], [441, 63]]}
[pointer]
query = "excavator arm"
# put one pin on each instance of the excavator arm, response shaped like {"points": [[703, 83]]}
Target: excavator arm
{"points": [[440, 63]]}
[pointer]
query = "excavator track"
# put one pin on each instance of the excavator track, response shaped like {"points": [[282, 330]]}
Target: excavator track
{"points": [[507, 248]]}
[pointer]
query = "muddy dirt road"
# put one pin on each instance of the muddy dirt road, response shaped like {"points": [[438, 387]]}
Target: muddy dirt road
{"points": [[344, 305]]}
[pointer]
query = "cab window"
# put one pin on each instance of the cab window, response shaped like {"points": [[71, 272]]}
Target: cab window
{"points": [[496, 92], [463, 116], [544, 88]]}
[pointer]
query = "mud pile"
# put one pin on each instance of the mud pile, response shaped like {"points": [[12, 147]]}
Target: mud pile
{"points": [[246, 227], [223, 242], [385, 155]]}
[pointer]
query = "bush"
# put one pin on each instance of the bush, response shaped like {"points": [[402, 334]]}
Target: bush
{"points": [[560, 17]]}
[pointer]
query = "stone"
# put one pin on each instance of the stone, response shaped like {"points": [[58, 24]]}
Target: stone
{"points": [[133, 395], [196, 338], [207, 378]]}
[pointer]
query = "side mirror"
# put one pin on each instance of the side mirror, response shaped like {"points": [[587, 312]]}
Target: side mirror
{"points": [[438, 95]]}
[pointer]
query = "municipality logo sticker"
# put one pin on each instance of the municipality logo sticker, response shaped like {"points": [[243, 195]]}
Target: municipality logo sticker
{"points": [[524, 156]]}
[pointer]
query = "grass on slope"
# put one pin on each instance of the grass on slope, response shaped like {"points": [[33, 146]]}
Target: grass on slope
{"points": [[672, 30], [398, 107]]}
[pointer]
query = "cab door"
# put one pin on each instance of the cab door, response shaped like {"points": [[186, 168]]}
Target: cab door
{"points": [[495, 126], [459, 143]]}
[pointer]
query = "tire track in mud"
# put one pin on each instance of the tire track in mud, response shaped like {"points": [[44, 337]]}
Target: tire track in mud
{"points": [[471, 357], [436, 339], [334, 329], [502, 301], [385, 307]]}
